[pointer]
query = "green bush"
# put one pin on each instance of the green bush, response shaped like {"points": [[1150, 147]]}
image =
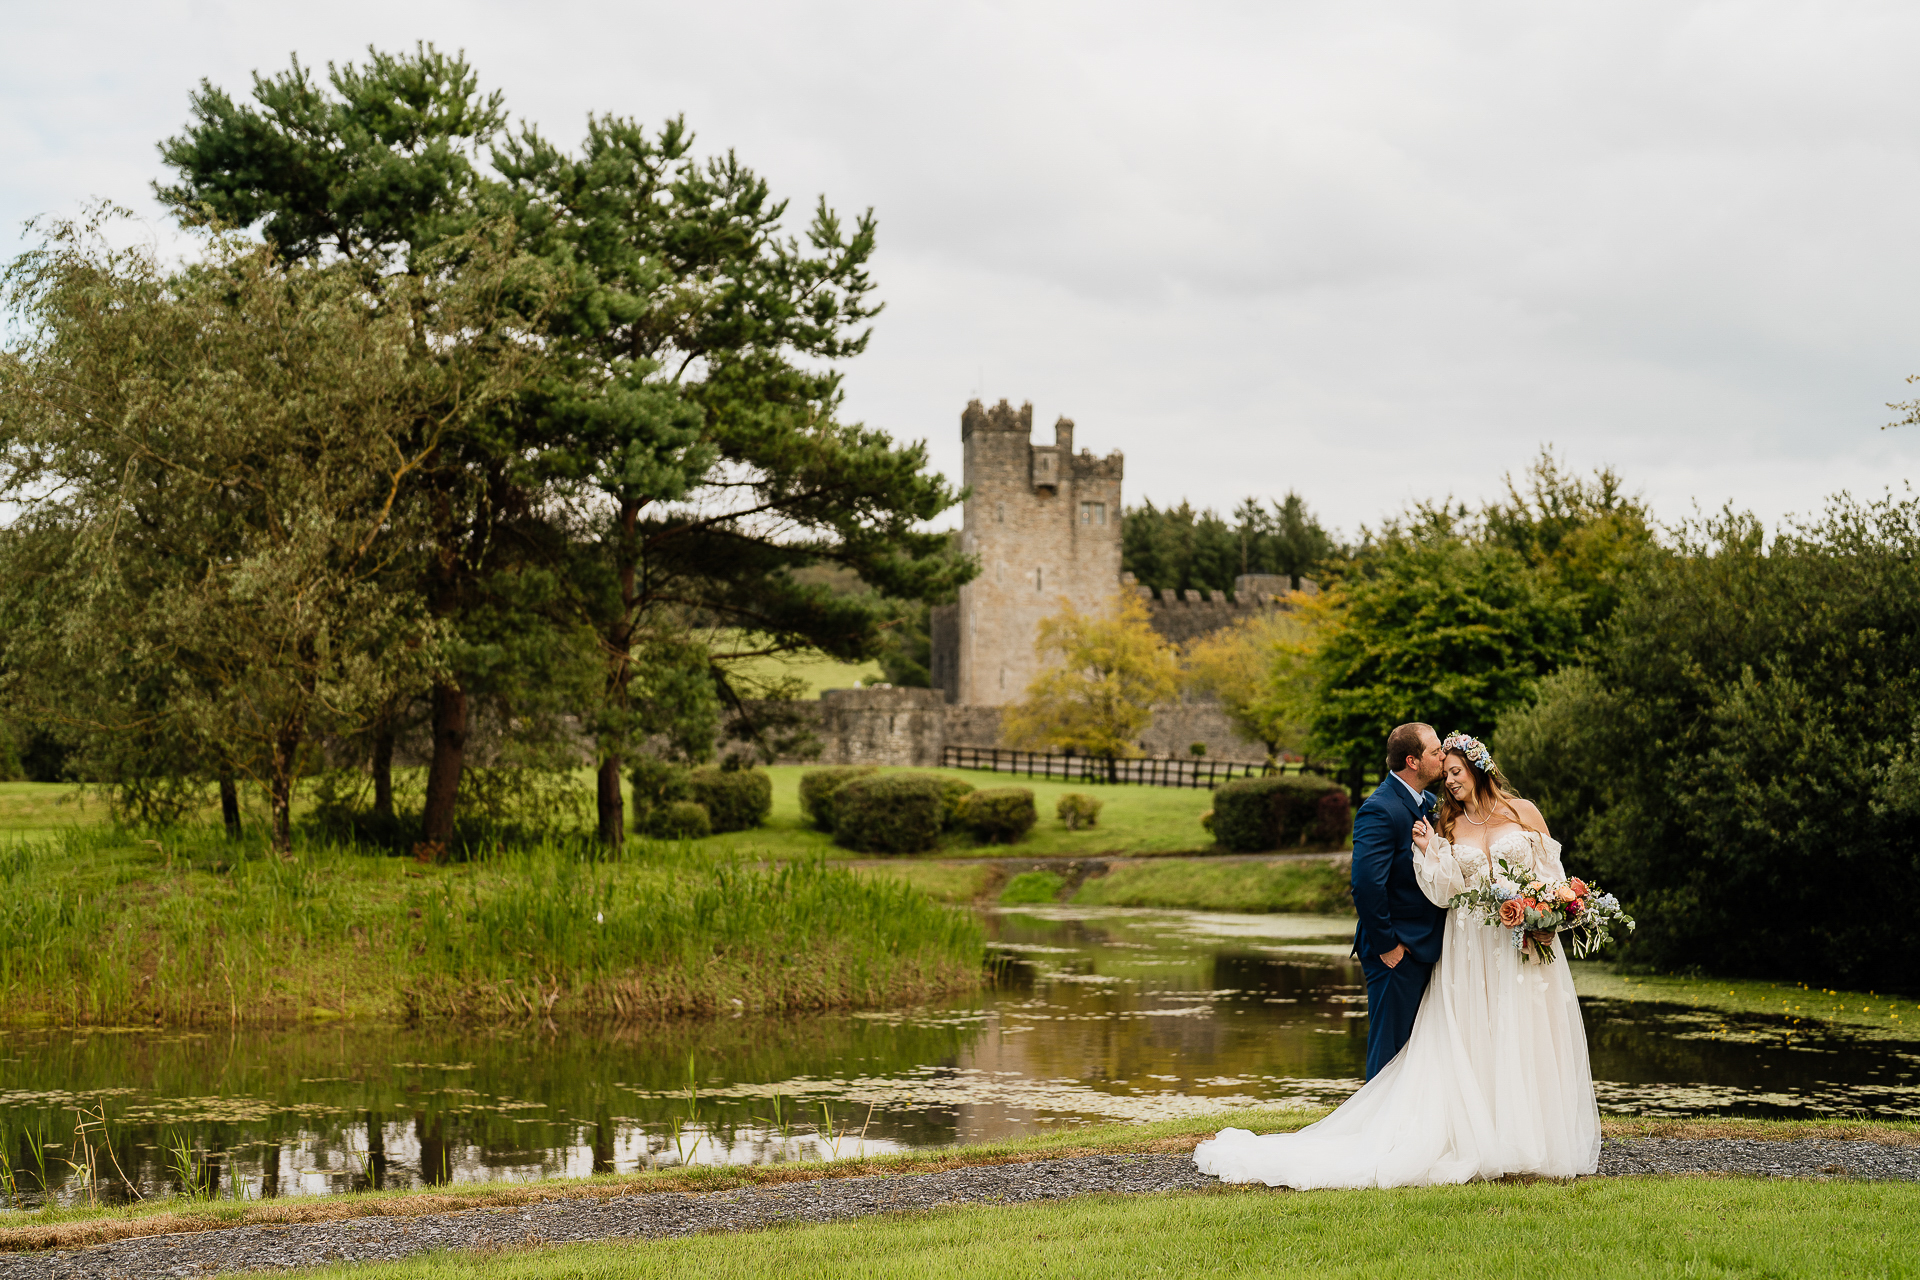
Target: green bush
{"points": [[656, 784], [679, 820], [1033, 886], [999, 815], [1078, 810], [1750, 732], [1252, 815], [890, 813], [736, 799], [818, 787], [953, 794]]}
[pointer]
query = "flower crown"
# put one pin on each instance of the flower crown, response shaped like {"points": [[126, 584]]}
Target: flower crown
{"points": [[1473, 749]]}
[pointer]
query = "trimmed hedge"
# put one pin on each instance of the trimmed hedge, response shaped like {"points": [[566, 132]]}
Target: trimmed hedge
{"points": [[999, 815], [818, 787], [1077, 810], [736, 799], [1252, 815], [954, 793], [890, 813], [678, 820]]}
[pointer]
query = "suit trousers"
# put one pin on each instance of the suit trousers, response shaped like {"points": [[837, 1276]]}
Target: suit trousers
{"points": [[1393, 997]]}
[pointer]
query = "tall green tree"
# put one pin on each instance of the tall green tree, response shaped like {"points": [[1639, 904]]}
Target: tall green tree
{"points": [[212, 472], [376, 168], [1180, 548], [701, 415], [1741, 753], [686, 453], [1429, 626], [1587, 533]]}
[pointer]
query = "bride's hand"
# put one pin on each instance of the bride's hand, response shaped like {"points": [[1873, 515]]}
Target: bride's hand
{"points": [[1421, 833]]}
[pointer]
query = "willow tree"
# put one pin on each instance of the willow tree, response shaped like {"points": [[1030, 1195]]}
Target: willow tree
{"points": [[212, 471]]}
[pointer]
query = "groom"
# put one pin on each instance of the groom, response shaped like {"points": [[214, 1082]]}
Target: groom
{"points": [[1399, 937]]}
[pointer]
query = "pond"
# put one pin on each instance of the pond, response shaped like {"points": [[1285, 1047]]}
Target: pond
{"points": [[1096, 1015]]}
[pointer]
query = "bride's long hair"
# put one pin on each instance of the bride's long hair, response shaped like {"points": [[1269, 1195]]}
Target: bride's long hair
{"points": [[1489, 791]]}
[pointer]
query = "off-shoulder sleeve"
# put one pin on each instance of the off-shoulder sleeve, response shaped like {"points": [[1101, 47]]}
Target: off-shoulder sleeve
{"points": [[1546, 857], [1438, 871]]}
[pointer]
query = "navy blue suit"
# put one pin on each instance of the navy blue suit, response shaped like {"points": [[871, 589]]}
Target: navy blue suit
{"points": [[1393, 912]]}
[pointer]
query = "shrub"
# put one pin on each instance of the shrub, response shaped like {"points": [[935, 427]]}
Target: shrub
{"points": [[1333, 818], [818, 787], [656, 784], [1000, 815], [1033, 886], [953, 794], [890, 813], [736, 799], [679, 820], [1251, 815], [1078, 810]]}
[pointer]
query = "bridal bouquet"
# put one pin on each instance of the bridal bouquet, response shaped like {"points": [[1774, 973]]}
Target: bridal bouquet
{"points": [[1536, 910]]}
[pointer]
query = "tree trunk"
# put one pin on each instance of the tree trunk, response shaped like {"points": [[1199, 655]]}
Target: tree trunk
{"points": [[449, 756], [230, 806], [383, 772], [286, 754], [613, 808]]}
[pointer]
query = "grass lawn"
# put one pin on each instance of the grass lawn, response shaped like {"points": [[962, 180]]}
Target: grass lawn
{"points": [[816, 671], [32, 809], [1135, 820], [1315, 887], [1625, 1227]]}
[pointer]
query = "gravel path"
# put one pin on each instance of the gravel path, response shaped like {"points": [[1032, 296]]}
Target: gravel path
{"points": [[663, 1214]]}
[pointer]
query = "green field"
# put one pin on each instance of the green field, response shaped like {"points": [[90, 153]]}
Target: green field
{"points": [[1599, 1227], [1137, 820]]}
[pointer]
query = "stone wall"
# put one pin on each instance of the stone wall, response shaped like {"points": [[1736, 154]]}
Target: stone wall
{"points": [[885, 726]]}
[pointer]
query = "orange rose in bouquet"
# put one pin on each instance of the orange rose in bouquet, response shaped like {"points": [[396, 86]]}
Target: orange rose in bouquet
{"points": [[1512, 913]]}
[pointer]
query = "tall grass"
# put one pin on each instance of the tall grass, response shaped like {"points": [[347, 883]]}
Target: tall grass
{"points": [[187, 927]]}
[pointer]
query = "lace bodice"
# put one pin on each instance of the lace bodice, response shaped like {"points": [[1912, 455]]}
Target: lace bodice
{"points": [[1447, 869]]}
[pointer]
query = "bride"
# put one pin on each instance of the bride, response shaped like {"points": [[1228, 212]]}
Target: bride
{"points": [[1495, 1078]]}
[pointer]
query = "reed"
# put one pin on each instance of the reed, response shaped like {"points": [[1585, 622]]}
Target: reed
{"points": [[186, 927]]}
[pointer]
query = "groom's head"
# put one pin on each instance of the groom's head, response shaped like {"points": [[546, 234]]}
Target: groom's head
{"points": [[1413, 752]]}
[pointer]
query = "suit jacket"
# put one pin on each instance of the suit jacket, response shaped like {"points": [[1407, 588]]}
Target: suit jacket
{"points": [[1393, 912]]}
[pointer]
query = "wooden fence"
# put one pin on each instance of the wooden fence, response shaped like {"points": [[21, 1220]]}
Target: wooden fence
{"points": [[1147, 771]]}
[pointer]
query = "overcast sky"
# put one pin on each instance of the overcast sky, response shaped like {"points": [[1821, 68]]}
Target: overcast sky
{"points": [[1372, 252]]}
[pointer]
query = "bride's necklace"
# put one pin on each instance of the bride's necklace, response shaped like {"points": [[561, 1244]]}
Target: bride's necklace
{"points": [[1478, 822]]}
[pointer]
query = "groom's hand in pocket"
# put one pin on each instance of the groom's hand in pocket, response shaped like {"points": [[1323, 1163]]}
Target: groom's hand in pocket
{"points": [[1392, 958]]}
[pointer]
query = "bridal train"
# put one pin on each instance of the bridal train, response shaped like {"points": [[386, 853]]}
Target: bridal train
{"points": [[1495, 1079]]}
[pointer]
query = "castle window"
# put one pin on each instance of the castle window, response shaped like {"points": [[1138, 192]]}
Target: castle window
{"points": [[999, 513], [1093, 513], [1039, 578]]}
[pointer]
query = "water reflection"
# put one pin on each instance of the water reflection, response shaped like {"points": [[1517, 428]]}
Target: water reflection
{"points": [[1097, 1014]]}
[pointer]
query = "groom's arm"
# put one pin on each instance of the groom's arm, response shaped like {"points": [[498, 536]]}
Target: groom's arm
{"points": [[1373, 852]]}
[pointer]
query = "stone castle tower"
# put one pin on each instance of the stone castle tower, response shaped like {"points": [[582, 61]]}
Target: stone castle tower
{"points": [[1044, 522]]}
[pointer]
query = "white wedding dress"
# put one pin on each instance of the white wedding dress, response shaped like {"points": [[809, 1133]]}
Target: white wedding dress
{"points": [[1494, 1079]]}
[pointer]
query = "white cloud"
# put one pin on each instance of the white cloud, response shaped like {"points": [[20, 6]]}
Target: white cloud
{"points": [[1370, 252]]}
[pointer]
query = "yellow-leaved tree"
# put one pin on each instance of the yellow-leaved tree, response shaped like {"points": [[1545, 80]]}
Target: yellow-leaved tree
{"points": [[1258, 669], [1103, 673]]}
